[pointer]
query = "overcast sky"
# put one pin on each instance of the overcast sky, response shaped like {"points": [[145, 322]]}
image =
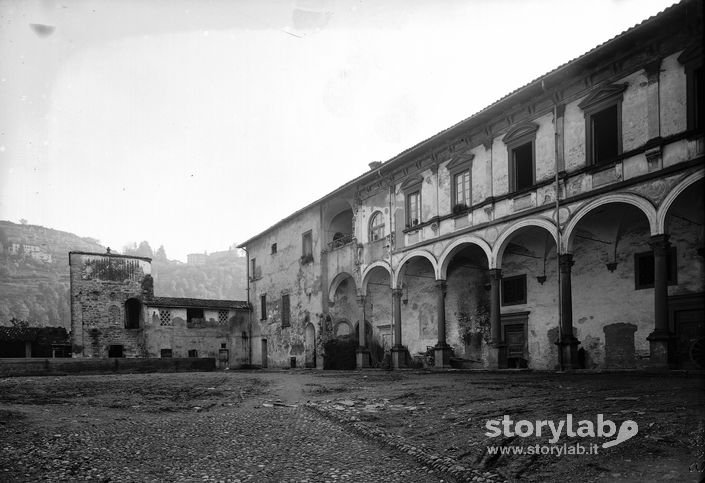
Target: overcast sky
{"points": [[198, 124]]}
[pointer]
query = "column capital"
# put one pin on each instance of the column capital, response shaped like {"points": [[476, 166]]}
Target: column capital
{"points": [[495, 273], [660, 241], [361, 299], [442, 285], [397, 292], [565, 260]]}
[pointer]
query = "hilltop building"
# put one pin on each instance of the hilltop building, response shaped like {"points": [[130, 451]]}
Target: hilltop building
{"points": [[114, 313], [562, 226]]}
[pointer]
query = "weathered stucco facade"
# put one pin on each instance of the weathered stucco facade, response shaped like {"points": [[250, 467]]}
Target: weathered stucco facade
{"points": [[114, 313], [562, 226]]}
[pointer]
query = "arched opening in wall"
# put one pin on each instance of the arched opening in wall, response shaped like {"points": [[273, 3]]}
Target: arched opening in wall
{"points": [[133, 314], [529, 299], [378, 311], [339, 346], [467, 302], [340, 230], [684, 225], [419, 324], [612, 285]]}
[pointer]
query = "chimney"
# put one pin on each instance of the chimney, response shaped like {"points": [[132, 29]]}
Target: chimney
{"points": [[375, 164]]}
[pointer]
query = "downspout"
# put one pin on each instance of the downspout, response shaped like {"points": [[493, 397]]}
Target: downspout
{"points": [[392, 237], [249, 311], [558, 232]]}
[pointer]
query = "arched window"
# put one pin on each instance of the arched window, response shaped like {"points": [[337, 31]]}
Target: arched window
{"points": [[133, 314], [376, 226]]}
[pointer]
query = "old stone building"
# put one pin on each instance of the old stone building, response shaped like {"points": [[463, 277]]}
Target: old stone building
{"points": [[562, 226], [114, 313]]}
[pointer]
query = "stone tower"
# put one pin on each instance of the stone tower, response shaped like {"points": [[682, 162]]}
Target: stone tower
{"points": [[108, 293]]}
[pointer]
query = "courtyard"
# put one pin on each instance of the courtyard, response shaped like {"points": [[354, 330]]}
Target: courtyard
{"points": [[303, 425]]}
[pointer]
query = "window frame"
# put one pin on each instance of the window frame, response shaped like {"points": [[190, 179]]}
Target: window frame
{"points": [[307, 255], [518, 137], [274, 248], [521, 301], [263, 306], [692, 61], [458, 167], [596, 103], [671, 268], [376, 231], [412, 187], [286, 310]]}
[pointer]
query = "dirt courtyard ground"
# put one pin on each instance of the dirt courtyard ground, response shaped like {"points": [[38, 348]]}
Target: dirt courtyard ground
{"points": [[121, 427]]}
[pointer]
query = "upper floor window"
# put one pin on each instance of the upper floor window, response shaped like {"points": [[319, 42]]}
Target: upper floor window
{"points": [[692, 59], [460, 174], [307, 247], [377, 226], [285, 309], [644, 269], [412, 196], [274, 248], [603, 124], [253, 268], [522, 166], [263, 307], [514, 290]]}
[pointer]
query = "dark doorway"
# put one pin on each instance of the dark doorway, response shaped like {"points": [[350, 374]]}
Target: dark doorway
{"points": [[133, 314], [115, 351]]}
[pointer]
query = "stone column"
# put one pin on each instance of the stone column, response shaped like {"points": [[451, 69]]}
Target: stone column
{"points": [[363, 353], [398, 351], [659, 339], [568, 344], [442, 350], [496, 346]]}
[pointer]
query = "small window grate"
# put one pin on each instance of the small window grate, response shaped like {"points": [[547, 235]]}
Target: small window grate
{"points": [[165, 318], [222, 317]]}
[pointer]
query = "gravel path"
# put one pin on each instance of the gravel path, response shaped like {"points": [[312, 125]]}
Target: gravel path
{"points": [[242, 443]]}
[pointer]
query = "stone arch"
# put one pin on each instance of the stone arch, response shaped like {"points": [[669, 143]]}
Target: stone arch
{"points": [[343, 323], [503, 240], [458, 244], [133, 313], [415, 253], [662, 212], [337, 280], [627, 198], [368, 270]]}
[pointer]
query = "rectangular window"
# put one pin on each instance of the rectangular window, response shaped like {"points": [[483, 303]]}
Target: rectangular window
{"points": [[165, 318], [286, 322], [413, 208], [523, 166], [696, 103], [307, 247], [462, 191], [514, 290], [165, 353], [263, 307], [193, 353], [115, 351], [644, 269], [223, 317], [253, 269], [194, 316], [274, 248], [605, 135]]}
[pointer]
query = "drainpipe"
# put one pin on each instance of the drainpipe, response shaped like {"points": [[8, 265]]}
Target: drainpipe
{"points": [[249, 306], [558, 231]]}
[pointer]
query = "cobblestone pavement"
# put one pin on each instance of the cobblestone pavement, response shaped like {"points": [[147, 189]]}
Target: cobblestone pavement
{"points": [[230, 442]]}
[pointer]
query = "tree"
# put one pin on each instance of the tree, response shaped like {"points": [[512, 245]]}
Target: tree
{"points": [[161, 253], [144, 250], [23, 221]]}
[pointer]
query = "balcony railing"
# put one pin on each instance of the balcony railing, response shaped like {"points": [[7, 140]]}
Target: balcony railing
{"points": [[340, 241]]}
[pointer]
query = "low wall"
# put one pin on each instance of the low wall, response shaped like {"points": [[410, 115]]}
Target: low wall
{"points": [[41, 367]]}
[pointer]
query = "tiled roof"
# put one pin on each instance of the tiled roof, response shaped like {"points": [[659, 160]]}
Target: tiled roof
{"points": [[478, 115], [196, 303]]}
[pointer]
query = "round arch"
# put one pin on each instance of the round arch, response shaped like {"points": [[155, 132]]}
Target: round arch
{"points": [[672, 196], [503, 240], [368, 270], [415, 253], [349, 331], [453, 248], [639, 202], [337, 280]]}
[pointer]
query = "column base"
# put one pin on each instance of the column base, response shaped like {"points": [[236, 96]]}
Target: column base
{"points": [[569, 352], [441, 356], [398, 357], [496, 358], [363, 358], [659, 341]]}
